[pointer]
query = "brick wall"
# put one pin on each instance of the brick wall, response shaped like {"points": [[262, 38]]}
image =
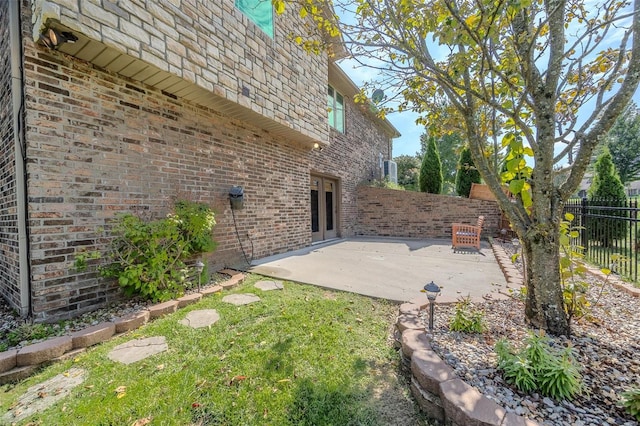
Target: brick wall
{"points": [[99, 144], [388, 212], [9, 272], [353, 157], [214, 45]]}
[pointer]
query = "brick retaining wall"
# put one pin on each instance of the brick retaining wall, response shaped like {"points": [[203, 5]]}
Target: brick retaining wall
{"points": [[393, 213]]}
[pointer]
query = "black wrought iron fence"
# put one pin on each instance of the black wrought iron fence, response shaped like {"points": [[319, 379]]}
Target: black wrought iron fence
{"points": [[608, 227]]}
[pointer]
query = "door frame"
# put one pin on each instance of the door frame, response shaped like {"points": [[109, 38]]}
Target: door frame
{"points": [[323, 234]]}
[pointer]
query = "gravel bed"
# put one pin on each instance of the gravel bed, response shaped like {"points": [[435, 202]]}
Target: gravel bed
{"points": [[10, 322], [606, 346]]}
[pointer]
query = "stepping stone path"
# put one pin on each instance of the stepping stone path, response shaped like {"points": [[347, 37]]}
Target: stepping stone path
{"points": [[43, 395], [201, 318], [269, 285], [241, 299], [139, 349]]}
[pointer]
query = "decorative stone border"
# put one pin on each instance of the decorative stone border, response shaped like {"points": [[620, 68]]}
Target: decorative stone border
{"points": [[17, 364], [438, 391], [434, 385]]}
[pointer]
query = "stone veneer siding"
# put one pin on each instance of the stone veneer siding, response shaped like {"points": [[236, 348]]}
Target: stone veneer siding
{"points": [[99, 144], [388, 212], [9, 272], [214, 45]]}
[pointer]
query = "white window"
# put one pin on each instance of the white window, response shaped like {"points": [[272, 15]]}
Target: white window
{"points": [[335, 106], [260, 12]]}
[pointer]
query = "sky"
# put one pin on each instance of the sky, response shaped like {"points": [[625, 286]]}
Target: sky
{"points": [[409, 142]]}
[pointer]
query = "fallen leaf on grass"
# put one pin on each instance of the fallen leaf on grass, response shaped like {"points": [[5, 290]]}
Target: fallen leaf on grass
{"points": [[142, 422], [237, 379], [121, 391], [284, 380], [160, 367]]}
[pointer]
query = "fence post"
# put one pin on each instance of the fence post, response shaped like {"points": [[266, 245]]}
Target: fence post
{"points": [[584, 238]]}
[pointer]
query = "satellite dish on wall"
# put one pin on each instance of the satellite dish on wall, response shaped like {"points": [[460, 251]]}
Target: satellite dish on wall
{"points": [[377, 96]]}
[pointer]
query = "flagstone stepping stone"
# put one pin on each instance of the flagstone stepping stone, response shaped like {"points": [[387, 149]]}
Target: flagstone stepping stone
{"points": [[43, 395], [241, 299], [269, 285], [200, 318], [139, 349]]}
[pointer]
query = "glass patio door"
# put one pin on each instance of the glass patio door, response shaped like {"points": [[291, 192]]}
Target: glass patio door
{"points": [[323, 208]]}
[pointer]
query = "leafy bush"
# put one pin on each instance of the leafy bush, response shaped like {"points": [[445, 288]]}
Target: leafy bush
{"points": [[386, 183], [540, 367], [573, 271], [147, 257], [466, 318], [467, 174], [631, 402]]}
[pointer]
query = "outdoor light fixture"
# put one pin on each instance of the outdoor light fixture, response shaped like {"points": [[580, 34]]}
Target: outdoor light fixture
{"points": [[53, 38], [199, 268], [317, 147], [432, 291]]}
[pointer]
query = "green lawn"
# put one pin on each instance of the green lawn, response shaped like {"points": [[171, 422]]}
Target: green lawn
{"points": [[302, 356]]}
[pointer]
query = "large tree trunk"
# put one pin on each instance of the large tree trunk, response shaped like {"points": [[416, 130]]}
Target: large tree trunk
{"points": [[544, 302]]}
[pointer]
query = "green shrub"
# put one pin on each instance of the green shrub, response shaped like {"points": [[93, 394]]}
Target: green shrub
{"points": [[147, 257], [466, 318], [540, 367], [608, 191], [430, 178], [467, 174], [631, 402], [573, 271], [386, 183]]}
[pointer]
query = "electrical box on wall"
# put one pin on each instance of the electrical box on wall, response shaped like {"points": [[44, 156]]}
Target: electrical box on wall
{"points": [[236, 197]]}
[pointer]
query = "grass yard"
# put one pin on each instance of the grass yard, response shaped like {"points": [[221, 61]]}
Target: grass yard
{"points": [[301, 356]]}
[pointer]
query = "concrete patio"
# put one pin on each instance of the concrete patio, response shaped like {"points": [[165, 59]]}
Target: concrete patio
{"points": [[391, 268]]}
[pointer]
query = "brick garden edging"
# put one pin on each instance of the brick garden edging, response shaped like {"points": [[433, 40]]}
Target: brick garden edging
{"points": [[17, 364], [437, 390]]}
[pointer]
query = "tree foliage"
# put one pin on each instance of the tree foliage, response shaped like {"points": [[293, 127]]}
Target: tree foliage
{"points": [[467, 173], [408, 171], [606, 190], [540, 79], [623, 141], [431, 169], [543, 78]]}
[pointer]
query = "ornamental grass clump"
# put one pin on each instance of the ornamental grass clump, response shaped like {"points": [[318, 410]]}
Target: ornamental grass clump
{"points": [[540, 367], [631, 402], [467, 318]]}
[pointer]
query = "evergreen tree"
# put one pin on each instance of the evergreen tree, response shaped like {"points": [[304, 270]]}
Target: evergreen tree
{"points": [[623, 141], [431, 169], [606, 190], [467, 173]]}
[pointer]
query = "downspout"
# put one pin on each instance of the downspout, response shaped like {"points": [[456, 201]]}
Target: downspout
{"points": [[17, 93]]}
